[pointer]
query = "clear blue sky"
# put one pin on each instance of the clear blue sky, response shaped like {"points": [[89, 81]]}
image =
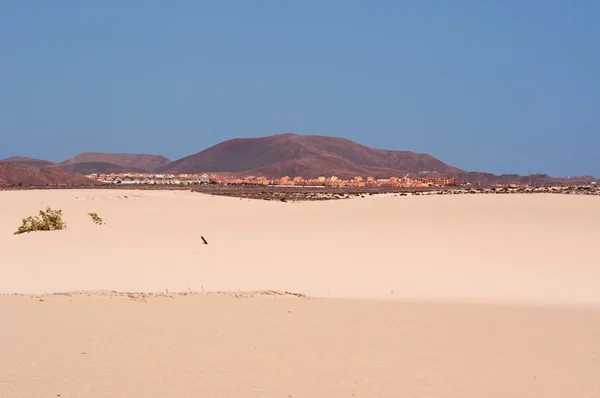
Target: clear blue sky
{"points": [[486, 85]]}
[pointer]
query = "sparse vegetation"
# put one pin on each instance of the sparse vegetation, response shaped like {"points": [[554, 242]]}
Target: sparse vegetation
{"points": [[96, 218], [49, 220]]}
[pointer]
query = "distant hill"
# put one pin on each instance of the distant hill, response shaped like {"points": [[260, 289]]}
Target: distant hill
{"points": [[98, 167], [476, 178], [293, 155], [128, 161], [307, 156], [21, 174], [28, 161]]}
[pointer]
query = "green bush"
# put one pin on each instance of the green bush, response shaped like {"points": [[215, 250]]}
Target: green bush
{"points": [[49, 220], [96, 218]]}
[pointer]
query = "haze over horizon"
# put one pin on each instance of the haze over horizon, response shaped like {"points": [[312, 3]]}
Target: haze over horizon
{"points": [[498, 87]]}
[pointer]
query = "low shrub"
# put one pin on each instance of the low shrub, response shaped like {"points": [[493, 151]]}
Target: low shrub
{"points": [[96, 218], [49, 220]]}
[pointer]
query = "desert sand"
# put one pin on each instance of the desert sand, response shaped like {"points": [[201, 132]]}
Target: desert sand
{"points": [[439, 296]]}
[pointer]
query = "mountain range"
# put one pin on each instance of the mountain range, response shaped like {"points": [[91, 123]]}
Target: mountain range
{"points": [[283, 154], [24, 174]]}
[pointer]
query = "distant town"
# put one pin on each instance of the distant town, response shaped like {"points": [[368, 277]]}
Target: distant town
{"points": [[331, 181]]}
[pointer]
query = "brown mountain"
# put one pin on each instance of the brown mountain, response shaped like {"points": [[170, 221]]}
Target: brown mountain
{"points": [[98, 167], [128, 161], [21, 174], [28, 161], [308, 156]]}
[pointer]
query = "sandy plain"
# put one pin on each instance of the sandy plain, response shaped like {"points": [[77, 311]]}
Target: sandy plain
{"points": [[450, 296]]}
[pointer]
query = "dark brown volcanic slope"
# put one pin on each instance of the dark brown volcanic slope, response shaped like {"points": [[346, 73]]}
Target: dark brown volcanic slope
{"points": [[128, 161], [305, 155], [14, 174], [28, 161]]}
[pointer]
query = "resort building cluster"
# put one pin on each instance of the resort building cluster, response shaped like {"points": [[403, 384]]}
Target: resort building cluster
{"points": [[332, 181]]}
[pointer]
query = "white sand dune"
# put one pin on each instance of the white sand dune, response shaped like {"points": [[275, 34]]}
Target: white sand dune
{"points": [[220, 346], [441, 296], [538, 249]]}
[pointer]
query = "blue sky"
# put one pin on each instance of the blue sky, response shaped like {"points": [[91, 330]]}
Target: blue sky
{"points": [[499, 86]]}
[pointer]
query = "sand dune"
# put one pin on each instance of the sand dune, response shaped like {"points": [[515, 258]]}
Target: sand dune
{"points": [[538, 249], [468, 296], [219, 346]]}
